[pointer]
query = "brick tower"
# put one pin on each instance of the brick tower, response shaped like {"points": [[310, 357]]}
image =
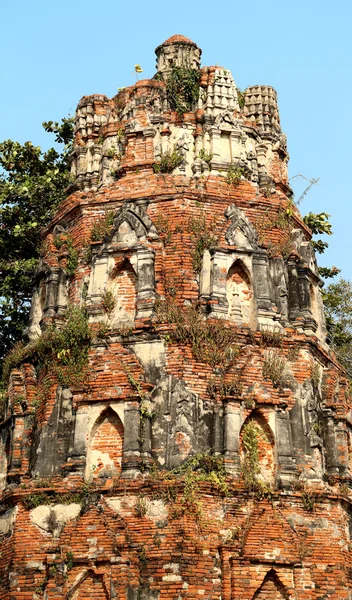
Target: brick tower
{"points": [[176, 426]]}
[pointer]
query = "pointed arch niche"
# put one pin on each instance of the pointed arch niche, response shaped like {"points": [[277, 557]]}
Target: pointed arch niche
{"points": [[90, 585], [257, 427], [124, 266], [271, 589], [105, 449], [239, 294]]}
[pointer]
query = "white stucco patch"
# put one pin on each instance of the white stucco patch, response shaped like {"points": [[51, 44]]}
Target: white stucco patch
{"points": [[7, 520], [52, 519]]}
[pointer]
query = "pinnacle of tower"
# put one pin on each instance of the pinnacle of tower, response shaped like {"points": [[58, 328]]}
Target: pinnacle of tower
{"points": [[177, 39], [177, 51]]}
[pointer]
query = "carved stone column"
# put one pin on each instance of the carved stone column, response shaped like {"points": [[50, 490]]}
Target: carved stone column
{"points": [[218, 283], [232, 437], [332, 462], [146, 282], [62, 293], [131, 449], [284, 445], [293, 296], [218, 428], [52, 283], [97, 284], [261, 280]]}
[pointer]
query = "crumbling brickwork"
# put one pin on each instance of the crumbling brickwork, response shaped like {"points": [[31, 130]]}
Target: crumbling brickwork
{"points": [[176, 426]]}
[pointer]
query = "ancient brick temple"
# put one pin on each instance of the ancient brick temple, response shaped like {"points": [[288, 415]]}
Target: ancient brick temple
{"points": [[197, 442]]}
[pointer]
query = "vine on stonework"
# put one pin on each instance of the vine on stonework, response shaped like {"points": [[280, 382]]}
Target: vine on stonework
{"points": [[145, 411], [163, 228]]}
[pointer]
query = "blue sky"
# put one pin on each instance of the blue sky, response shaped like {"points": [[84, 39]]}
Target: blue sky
{"points": [[55, 52]]}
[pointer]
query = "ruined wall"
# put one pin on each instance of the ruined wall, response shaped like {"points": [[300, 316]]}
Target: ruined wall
{"points": [[176, 425]]}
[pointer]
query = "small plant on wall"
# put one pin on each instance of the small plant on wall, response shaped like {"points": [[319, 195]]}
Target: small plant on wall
{"points": [[250, 467], [168, 161], [275, 368], [182, 88], [102, 226], [64, 241], [206, 156], [234, 175], [203, 236], [108, 302]]}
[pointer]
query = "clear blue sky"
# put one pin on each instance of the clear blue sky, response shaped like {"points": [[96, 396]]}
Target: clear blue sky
{"points": [[53, 53]]}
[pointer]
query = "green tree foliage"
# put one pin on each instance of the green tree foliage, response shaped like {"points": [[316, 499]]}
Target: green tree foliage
{"points": [[319, 224], [32, 184], [338, 311]]}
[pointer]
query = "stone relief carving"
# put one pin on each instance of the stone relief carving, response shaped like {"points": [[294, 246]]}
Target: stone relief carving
{"points": [[311, 401], [226, 120]]}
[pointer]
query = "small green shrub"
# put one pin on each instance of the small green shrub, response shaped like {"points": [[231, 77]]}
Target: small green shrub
{"points": [[169, 160], [69, 560], [182, 89], [206, 156], [240, 97], [102, 226], [212, 342], [72, 258], [141, 506], [202, 467], [62, 351], [275, 368], [108, 301], [203, 237], [309, 500], [272, 337], [234, 175], [230, 387]]}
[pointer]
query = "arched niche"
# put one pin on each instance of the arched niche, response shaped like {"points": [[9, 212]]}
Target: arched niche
{"points": [[257, 433], [105, 448], [271, 588], [239, 294], [122, 287], [90, 585], [128, 241]]}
